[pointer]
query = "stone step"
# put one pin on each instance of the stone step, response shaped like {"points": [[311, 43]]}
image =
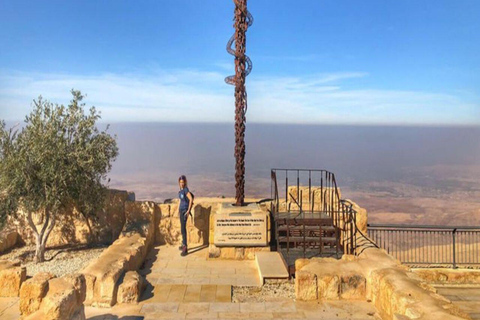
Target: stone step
{"points": [[271, 266]]}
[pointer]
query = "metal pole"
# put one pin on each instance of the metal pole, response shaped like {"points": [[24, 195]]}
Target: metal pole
{"points": [[454, 258]]}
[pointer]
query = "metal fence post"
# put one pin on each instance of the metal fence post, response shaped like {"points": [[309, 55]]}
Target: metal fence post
{"points": [[454, 258]]}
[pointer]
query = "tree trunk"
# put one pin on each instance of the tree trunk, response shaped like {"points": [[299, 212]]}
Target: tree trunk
{"points": [[39, 250], [91, 238], [42, 236]]}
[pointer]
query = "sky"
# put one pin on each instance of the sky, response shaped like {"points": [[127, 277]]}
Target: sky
{"points": [[381, 62]]}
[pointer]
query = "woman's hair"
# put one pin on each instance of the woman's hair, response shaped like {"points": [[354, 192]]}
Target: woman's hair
{"points": [[182, 177]]}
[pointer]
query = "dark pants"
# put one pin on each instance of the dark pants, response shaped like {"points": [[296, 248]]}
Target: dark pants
{"points": [[183, 226]]}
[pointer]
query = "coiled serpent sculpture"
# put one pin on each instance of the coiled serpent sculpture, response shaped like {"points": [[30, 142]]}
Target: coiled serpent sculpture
{"points": [[243, 65]]}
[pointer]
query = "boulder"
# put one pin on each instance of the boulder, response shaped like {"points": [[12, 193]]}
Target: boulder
{"points": [[33, 291], [130, 290], [11, 278], [8, 240], [64, 299]]}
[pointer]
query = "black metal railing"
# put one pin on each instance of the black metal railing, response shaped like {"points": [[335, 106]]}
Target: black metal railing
{"points": [[425, 245], [307, 194]]}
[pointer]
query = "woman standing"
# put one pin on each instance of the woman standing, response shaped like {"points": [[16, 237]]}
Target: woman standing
{"points": [[186, 201]]}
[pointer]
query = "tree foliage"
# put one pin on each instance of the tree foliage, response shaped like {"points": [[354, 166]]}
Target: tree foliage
{"points": [[58, 159]]}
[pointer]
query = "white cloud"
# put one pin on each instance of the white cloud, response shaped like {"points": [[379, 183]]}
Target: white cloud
{"points": [[192, 95]]}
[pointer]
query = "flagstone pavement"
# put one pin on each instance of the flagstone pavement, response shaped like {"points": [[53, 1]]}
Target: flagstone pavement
{"points": [[195, 287]]}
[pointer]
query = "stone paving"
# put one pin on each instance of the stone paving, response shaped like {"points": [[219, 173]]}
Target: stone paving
{"points": [[466, 297], [194, 287]]}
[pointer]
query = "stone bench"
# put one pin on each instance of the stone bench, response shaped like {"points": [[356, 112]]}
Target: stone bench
{"points": [[103, 275]]}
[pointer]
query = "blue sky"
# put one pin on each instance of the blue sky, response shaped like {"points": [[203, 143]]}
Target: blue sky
{"points": [[321, 61]]}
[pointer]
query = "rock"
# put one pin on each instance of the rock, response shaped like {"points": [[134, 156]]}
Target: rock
{"points": [[353, 286], [90, 280], [328, 287], [102, 275], [62, 301], [33, 291], [130, 290], [140, 218], [361, 216], [72, 228], [11, 279], [306, 286], [319, 197], [78, 282], [300, 263], [444, 275], [213, 251], [8, 240]]}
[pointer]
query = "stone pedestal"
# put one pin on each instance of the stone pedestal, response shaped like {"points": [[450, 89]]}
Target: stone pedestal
{"points": [[238, 232]]}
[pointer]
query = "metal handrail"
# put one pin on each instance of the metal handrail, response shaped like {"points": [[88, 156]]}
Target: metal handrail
{"points": [[339, 210], [429, 244], [419, 226]]}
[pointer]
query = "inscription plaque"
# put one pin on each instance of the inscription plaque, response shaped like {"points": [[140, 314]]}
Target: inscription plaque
{"points": [[240, 229]]}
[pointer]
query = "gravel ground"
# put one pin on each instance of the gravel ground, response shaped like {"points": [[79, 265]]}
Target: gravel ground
{"points": [[272, 290], [59, 261]]}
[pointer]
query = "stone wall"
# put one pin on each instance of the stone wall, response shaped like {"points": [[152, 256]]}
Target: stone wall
{"points": [[374, 275], [73, 228], [448, 276], [319, 198], [8, 240], [168, 223]]}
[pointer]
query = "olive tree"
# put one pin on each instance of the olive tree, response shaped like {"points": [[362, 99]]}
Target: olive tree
{"points": [[57, 161]]}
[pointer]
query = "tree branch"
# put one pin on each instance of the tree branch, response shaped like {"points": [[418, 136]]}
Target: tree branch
{"points": [[45, 224], [50, 228], [31, 224]]}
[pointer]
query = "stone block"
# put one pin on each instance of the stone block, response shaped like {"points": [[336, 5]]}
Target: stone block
{"points": [[328, 286], [8, 240], [11, 279], [61, 301], [445, 275], [213, 251], [130, 290], [353, 286], [90, 280], [78, 282], [306, 286], [105, 290], [33, 291]]}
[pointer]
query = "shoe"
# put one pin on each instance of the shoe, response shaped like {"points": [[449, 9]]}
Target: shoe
{"points": [[184, 252], [181, 247]]}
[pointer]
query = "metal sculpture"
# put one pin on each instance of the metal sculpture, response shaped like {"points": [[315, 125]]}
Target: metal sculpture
{"points": [[243, 66]]}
